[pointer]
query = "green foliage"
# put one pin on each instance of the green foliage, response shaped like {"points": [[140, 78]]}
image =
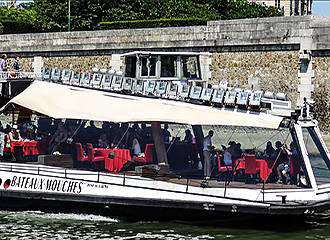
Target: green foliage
{"points": [[18, 21], [152, 23], [52, 15]]}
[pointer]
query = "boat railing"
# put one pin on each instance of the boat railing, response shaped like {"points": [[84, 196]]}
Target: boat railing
{"points": [[16, 76], [116, 81], [102, 178]]}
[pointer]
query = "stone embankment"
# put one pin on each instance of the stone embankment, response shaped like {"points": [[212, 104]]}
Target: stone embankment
{"points": [[266, 50]]}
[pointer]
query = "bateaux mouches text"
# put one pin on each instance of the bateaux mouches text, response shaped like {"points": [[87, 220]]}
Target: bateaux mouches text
{"points": [[56, 185]]}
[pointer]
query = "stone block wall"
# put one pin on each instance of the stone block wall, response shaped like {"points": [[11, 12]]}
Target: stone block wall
{"points": [[26, 64], [81, 63], [275, 71], [321, 95]]}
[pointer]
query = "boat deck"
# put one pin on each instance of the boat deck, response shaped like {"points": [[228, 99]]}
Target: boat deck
{"points": [[216, 184]]}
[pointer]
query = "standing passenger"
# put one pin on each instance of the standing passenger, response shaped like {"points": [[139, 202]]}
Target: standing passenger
{"points": [[207, 147]]}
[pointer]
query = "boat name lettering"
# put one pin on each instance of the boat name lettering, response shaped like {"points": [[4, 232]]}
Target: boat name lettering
{"points": [[58, 185]]}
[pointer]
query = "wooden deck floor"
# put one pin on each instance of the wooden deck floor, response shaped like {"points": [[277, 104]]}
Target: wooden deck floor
{"points": [[217, 184]]}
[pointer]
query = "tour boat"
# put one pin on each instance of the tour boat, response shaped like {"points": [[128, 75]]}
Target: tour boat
{"points": [[161, 189]]}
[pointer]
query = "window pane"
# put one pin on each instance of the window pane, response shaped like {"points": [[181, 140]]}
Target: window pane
{"points": [[317, 157], [130, 67], [168, 66], [190, 67], [148, 63]]}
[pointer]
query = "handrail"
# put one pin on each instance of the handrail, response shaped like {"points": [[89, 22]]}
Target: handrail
{"points": [[12, 75]]}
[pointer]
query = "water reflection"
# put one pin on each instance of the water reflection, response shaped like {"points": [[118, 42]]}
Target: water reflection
{"points": [[39, 225]]}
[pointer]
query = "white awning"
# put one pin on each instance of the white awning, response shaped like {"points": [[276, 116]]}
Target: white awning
{"points": [[68, 102]]}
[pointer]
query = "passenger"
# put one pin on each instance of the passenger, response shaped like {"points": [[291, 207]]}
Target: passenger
{"points": [[14, 134], [166, 133], [58, 138], [188, 138], [146, 136], [269, 151], [229, 153], [93, 133], [207, 148], [136, 147], [16, 65], [284, 164], [4, 63], [31, 132], [237, 151], [103, 141]]}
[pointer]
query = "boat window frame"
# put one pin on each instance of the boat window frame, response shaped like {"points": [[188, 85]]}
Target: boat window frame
{"points": [[157, 66], [315, 135], [134, 65], [198, 63], [295, 139]]}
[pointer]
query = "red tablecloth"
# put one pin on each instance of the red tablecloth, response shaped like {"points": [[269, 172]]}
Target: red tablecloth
{"points": [[121, 156], [29, 147], [108, 162], [264, 165]]}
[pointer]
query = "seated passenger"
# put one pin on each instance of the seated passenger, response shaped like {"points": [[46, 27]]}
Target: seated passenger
{"points": [[103, 141], [59, 137], [237, 151], [136, 147], [229, 153], [269, 151], [188, 138], [283, 169], [14, 134], [227, 158]]}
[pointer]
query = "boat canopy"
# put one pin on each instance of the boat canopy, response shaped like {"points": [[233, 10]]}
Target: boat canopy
{"points": [[68, 102]]}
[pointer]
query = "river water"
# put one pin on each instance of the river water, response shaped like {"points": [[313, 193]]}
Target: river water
{"points": [[39, 225]]}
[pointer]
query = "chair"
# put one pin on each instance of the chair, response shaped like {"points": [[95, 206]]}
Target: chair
{"points": [[81, 158], [222, 168], [98, 161], [148, 152], [6, 149], [251, 164]]}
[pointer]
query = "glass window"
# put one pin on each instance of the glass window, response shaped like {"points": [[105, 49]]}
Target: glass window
{"points": [[130, 70], [168, 66], [190, 67], [148, 66], [317, 156]]}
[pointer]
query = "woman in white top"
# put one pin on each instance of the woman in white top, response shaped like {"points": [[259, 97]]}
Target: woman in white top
{"points": [[136, 148]]}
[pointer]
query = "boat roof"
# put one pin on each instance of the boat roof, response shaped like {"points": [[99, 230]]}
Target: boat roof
{"points": [[69, 102], [165, 53]]}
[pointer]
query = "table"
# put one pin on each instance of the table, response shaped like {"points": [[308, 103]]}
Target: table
{"points": [[264, 165], [28, 148], [115, 164], [108, 162]]}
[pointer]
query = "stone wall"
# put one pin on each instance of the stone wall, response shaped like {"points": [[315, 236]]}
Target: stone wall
{"points": [[83, 63], [321, 95], [275, 71], [26, 63]]}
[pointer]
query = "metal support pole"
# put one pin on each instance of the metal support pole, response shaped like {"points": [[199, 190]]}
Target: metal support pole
{"points": [[69, 16], [263, 191], [187, 184]]}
